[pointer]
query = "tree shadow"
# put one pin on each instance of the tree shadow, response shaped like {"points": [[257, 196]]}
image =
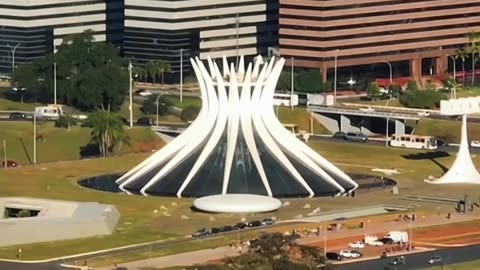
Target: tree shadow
{"points": [[432, 156], [89, 151]]}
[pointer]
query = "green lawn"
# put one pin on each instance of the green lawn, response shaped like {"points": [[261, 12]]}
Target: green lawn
{"points": [[300, 117], [469, 92], [54, 144], [449, 130], [140, 222], [8, 105], [186, 101]]}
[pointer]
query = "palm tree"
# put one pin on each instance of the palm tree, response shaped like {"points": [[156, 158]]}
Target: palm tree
{"points": [[463, 55], [152, 70], [473, 37], [163, 67], [107, 131]]}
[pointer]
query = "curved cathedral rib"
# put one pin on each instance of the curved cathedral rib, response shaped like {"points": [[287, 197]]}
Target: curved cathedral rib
{"points": [[237, 144]]}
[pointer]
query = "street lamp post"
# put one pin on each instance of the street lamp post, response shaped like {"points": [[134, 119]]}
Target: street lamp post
{"points": [[237, 26], [34, 138], [55, 83], [292, 83], [130, 84], [454, 76], [391, 70], [335, 79], [13, 49], [181, 79]]}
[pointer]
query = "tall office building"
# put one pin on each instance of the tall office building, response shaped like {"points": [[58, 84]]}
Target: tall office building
{"points": [[161, 30], [374, 31], [38, 26]]}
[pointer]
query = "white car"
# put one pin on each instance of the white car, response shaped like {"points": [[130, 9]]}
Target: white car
{"points": [[475, 144], [356, 244], [376, 244], [145, 93], [349, 253], [423, 113], [369, 109]]}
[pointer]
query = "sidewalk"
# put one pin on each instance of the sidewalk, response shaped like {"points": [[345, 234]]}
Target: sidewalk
{"points": [[203, 256]]}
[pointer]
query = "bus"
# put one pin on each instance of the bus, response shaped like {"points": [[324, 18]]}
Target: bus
{"points": [[413, 141], [285, 99]]}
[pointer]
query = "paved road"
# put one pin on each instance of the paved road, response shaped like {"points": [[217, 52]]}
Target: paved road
{"points": [[29, 266], [419, 260]]}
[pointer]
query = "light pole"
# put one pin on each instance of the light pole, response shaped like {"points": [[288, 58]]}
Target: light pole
{"points": [[410, 240], [391, 70], [293, 84], [335, 78], [34, 138], [130, 108], [5, 164], [181, 79], [13, 49], [454, 76], [55, 83]]}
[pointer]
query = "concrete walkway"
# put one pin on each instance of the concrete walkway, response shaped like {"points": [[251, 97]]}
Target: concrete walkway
{"points": [[203, 256]]}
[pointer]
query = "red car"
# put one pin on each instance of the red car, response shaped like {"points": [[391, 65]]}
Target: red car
{"points": [[10, 164]]}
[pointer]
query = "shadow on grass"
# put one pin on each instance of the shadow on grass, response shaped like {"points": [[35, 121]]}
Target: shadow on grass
{"points": [[432, 156]]}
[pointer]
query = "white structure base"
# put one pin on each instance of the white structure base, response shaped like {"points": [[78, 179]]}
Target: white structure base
{"points": [[463, 170], [237, 203]]}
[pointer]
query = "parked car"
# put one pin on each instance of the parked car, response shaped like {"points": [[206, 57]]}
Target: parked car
{"points": [[254, 223], [239, 226], [201, 232], [356, 137], [424, 113], [268, 222], [17, 116], [475, 144], [434, 259], [441, 143], [339, 135], [145, 121], [9, 164], [214, 231], [356, 244], [226, 228], [333, 256], [346, 253]]}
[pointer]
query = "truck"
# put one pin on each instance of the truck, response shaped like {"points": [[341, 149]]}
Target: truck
{"points": [[50, 112], [398, 236]]}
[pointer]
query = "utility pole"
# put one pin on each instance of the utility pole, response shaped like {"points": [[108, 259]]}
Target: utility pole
{"points": [[293, 83], [13, 49], [181, 76], [237, 25], [34, 138], [55, 83], [335, 79], [454, 77], [130, 85], [325, 240]]}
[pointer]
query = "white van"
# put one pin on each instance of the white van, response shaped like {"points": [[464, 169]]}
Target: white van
{"points": [[398, 236], [50, 112]]}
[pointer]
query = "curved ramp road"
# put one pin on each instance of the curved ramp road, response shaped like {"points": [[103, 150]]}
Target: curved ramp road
{"points": [[418, 260]]}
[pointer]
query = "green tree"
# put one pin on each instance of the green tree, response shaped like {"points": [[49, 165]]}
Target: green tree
{"points": [[27, 77], [412, 85], [463, 55], [284, 81], [149, 106], [427, 99], [395, 90], [373, 90], [138, 72], [65, 121], [152, 70], [163, 67], [310, 81], [107, 131], [474, 38]]}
